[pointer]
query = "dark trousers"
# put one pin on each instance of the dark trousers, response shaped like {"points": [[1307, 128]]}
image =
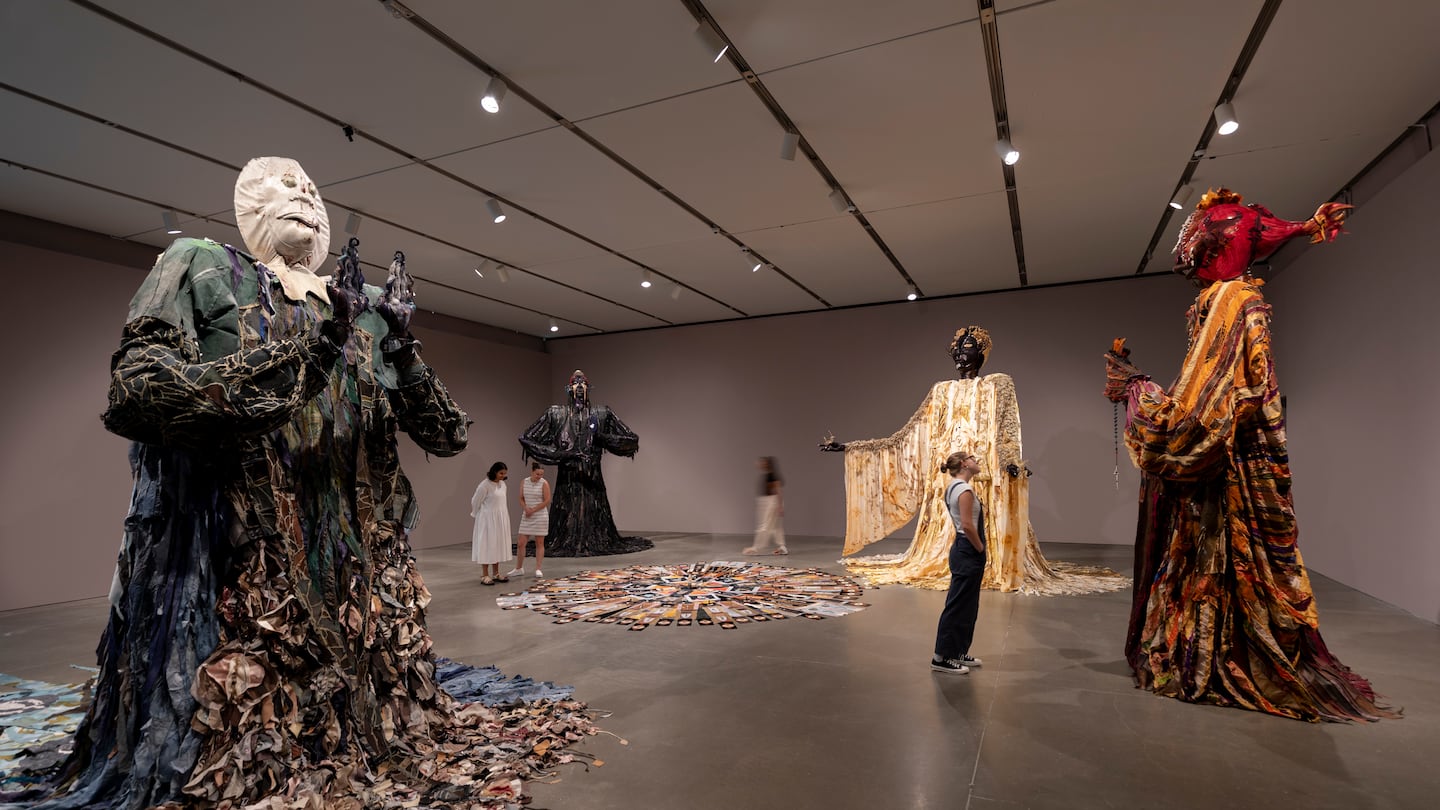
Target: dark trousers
{"points": [[962, 602]]}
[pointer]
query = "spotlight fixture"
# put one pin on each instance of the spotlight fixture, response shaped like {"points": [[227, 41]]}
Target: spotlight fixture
{"points": [[503, 273], [497, 214], [172, 223], [711, 39], [914, 293], [1225, 120], [398, 9], [645, 279], [839, 203], [788, 145], [675, 292], [753, 263], [480, 269], [1182, 196], [1007, 151], [352, 224], [554, 327], [494, 94]]}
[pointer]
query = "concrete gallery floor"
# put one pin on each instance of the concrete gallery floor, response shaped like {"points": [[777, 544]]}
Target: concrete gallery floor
{"points": [[845, 713]]}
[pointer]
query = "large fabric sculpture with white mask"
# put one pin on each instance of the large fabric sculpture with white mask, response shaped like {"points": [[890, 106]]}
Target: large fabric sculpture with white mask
{"points": [[889, 481], [266, 644]]}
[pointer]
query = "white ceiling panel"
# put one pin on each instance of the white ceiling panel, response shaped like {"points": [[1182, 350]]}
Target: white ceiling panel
{"points": [[715, 266], [772, 35], [1106, 99], [352, 60], [440, 263], [860, 112], [37, 195], [619, 280], [1097, 169], [1330, 68], [433, 204], [557, 174], [42, 136], [584, 58], [720, 151], [123, 77], [953, 246], [834, 257]]}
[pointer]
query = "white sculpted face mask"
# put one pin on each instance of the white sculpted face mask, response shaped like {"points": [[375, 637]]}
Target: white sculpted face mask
{"points": [[280, 214]]}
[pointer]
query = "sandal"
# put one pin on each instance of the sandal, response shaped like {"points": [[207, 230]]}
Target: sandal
{"points": [[781, 550], [502, 579], [486, 581]]}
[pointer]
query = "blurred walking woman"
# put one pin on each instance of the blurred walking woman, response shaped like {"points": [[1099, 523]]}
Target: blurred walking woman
{"points": [[967, 569], [769, 510]]}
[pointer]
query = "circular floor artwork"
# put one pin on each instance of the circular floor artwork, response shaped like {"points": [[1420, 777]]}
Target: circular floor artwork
{"points": [[723, 594]]}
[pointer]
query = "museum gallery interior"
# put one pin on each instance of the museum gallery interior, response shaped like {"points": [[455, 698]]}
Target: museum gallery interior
{"points": [[715, 404]]}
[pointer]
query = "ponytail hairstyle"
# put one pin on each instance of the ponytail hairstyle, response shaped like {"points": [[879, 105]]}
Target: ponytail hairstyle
{"points": [[954, 462]]}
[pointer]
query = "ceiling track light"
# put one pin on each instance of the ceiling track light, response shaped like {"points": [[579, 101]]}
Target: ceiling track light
{"points": [[750, 261], [171, 222], [914, 293], [352, 224], [480, 269], [494, 94], [711, 39], [675, 292], [1182, 196], [788, 145], [839, 203], [497, 214], [1225, 120], [503, 273], [1007, 151], [645, 279], [554, 327]]}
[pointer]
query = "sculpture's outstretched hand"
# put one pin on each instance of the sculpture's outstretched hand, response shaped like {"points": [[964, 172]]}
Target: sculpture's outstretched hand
{"points": [[397, 306], [347, 295], [829, 445], [1119, 371], [1016, 470]]}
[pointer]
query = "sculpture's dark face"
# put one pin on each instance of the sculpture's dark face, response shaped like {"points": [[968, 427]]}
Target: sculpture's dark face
{"points": [[578, 389], [968, 358]]}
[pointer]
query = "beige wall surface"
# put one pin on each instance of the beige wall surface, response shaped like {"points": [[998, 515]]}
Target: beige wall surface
{"points": [[65, 482], [707, 400], [1355, 348]]}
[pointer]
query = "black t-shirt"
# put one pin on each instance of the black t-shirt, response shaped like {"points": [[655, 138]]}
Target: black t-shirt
{"points": [[765, 482]]}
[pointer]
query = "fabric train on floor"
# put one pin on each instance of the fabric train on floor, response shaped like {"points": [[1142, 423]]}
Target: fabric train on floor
{"points": [[887, 481]]}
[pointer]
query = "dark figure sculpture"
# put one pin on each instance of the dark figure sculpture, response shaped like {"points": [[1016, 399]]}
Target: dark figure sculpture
{"points": [[573, 437]]}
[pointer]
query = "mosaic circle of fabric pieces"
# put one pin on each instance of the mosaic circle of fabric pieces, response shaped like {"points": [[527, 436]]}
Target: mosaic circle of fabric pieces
{"points": [[723, 594]]}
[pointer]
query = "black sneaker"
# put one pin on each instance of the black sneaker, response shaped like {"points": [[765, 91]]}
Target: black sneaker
{"points": [[969, 660], [951, 665]]}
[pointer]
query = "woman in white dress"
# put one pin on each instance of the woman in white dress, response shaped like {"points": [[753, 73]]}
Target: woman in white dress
{"points": [[534, 520], [490, 543]]}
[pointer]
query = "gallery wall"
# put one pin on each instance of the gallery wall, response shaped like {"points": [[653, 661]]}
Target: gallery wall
{"points": [[1355, 348], [65, 481], [706, 400]]}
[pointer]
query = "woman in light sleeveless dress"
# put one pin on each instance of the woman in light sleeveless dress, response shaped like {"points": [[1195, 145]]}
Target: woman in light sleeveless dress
{"points": [[490, 543], [534, 520]]}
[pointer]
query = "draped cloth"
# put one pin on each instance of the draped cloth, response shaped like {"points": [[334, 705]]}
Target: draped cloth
{"points": [[1223, 611], [575, 439], [266, 644], [887, 481]]}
